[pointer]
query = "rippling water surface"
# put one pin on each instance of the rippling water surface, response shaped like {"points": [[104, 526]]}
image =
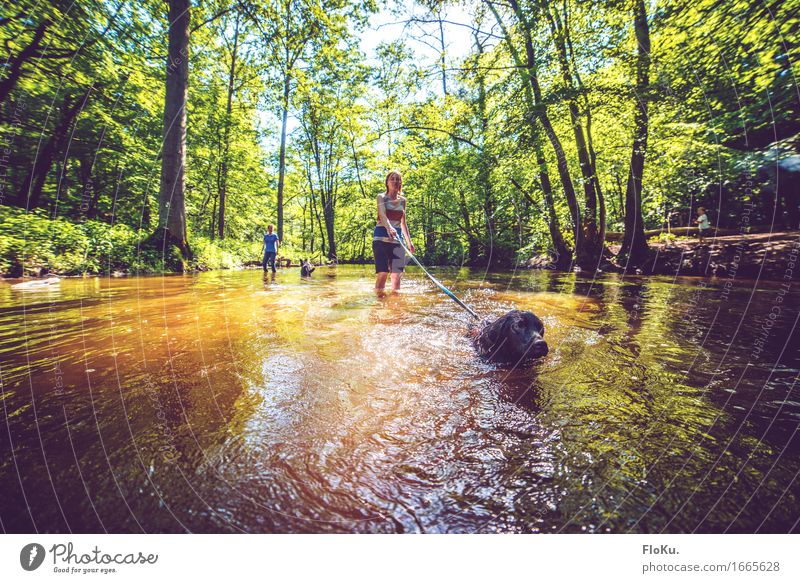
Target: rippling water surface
{"points": [[230, 402]]}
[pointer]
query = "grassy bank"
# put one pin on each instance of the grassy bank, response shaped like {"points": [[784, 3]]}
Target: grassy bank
{"points": [[31, 243]]}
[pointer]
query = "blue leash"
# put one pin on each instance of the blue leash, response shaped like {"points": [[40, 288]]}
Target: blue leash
{"points": [[436, 281]]}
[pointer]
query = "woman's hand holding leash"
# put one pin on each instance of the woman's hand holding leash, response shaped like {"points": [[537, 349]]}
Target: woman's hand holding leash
{"points": [[393, 235], [436, 281]]}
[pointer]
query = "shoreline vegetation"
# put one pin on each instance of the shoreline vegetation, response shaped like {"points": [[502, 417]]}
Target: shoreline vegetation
{"points": [[34, 245], [570, 131]]}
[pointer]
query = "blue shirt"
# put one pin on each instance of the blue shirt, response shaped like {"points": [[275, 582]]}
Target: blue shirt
{"points": [[269, 243]]}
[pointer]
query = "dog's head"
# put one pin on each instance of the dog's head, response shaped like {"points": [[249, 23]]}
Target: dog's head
{"points": [[516, 337]]}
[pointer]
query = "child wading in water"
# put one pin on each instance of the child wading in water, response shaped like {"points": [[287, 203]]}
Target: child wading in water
{"points": [[702, 223]]}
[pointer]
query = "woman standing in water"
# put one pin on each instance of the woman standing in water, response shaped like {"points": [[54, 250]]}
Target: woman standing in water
{"points": [[389, 254]]}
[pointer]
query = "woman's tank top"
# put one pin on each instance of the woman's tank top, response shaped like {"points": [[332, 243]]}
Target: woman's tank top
{"points": [[395, 210]]}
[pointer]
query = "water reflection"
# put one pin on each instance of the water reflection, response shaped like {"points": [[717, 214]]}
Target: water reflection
{"points": [[242, 401]]}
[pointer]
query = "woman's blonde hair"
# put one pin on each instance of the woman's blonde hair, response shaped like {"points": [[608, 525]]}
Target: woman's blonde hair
{"points": [[388, 176]]}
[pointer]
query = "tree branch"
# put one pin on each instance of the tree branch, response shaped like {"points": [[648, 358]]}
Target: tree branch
{"points": [[429, 129], [461, 227]]}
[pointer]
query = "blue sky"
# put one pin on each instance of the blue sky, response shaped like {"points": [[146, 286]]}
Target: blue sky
{"points": [[386, 26]]}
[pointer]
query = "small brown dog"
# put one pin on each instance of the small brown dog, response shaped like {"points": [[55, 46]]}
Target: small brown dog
{"points": [[514, 338], [306, 269]]}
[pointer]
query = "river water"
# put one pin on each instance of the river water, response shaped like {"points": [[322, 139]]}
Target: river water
{"points": [[237, 402]]}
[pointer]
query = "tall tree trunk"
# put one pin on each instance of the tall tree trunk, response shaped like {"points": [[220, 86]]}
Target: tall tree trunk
{"points": [[538, 111], [88, 189], [634, 244], [213, 229], [322, 243], [429, 227], [589, 142], [91, 192], [287, 84], [601, 201], [328, 215], [171, 198], [31, 191], [592, 247], [227, 133], [14, 66], [315, 213], [563, 256], [356, 164], [473, 243], [287, 80], [214, 213], [484, 178], [303, 230], [561, 164], [541, 112], [442, 59]]}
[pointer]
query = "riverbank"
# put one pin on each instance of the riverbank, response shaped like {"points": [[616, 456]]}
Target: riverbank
{"points": [[33, 244], [750, 256], [771, 256]]}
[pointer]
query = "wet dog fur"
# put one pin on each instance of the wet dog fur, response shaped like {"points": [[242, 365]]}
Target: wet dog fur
{"points": [[514, 338]]}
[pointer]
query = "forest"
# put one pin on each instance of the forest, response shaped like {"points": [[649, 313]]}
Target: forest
{"points": [[165, 135]]}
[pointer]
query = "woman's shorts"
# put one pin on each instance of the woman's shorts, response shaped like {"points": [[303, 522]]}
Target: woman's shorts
{"points": [[389, 257]]}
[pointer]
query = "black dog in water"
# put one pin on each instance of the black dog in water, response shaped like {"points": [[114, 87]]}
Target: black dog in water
{"points": [[306, 269], [514, 338]]}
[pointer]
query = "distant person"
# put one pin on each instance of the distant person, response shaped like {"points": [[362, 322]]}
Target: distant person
{"points": [[702, 223], [270, 248], [389, 254]]}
